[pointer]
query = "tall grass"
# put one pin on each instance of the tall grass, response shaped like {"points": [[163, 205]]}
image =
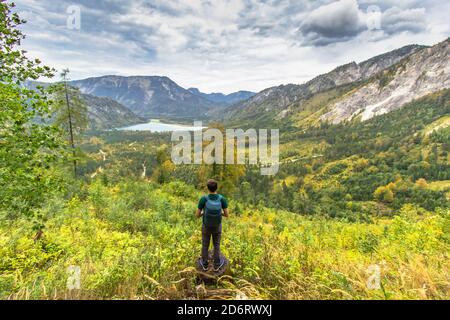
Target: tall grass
{"points": [[137, 240]]}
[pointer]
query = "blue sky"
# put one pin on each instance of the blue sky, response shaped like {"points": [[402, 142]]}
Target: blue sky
{"points": [[225, 45]]}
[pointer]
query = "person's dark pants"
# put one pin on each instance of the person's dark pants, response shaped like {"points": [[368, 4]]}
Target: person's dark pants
{"points": [[216, 234]]}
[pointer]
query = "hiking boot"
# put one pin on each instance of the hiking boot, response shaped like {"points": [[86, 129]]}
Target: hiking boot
{"points": [[204, 264], [219, 264]]}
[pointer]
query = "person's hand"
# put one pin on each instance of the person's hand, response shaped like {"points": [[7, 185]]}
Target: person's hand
{"points": [[225, 213]]}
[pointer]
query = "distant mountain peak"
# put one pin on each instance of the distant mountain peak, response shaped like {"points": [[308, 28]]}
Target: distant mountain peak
{"points": [[224, 99], [148, 96], [194, 90]]}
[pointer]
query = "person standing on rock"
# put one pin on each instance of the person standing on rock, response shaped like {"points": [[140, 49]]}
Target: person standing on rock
{"points": [[211, 208]]}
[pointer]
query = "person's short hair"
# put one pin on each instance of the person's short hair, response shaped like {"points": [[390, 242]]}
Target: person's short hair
{"points": [[212, 185]]}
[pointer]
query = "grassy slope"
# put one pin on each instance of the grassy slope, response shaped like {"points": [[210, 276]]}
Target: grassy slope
{"points": [[437, 125], [138, 240]]}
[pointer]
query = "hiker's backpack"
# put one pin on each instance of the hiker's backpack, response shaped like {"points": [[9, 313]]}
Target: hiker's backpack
{"points": [[212, 216]]}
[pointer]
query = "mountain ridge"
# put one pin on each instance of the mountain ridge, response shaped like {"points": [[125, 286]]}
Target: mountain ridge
{"points": [[277, 99], [224, 99], [421, 73], [103, 113], [106, 113], [148, 96], [349, 91]]}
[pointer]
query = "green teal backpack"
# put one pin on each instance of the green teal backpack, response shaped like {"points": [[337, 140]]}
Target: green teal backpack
{"points": [[212, 216]]}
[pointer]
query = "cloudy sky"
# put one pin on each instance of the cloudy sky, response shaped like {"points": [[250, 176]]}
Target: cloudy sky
{"points": [[224, 45]]}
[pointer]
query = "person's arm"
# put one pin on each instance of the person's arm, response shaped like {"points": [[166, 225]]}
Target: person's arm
{"points": [[200, 207], [225, 207], [225, 213]]}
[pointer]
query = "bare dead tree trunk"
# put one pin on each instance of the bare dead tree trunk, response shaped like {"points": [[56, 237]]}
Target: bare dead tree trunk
{"points": [[72, 142], [144, 173]]}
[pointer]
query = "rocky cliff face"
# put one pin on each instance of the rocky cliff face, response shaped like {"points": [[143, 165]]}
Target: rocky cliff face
{"points": [[148, 96], [279, 98], [422, 73]]}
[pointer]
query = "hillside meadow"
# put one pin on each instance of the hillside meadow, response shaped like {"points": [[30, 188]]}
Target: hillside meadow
{"points": [[140, 240]]}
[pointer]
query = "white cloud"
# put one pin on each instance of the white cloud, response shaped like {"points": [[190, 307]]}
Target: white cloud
{"points": [[396, 20], [334, 22], [224, 45]]}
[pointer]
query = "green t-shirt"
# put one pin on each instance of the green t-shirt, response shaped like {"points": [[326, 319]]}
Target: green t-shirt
{"points": [[202, 202]]}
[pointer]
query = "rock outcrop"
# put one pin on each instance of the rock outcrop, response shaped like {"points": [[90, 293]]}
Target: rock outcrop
{"points": [[422, 73]]}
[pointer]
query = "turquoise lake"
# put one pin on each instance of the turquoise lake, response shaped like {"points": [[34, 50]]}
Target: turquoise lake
{"points": [[156, 126]]}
